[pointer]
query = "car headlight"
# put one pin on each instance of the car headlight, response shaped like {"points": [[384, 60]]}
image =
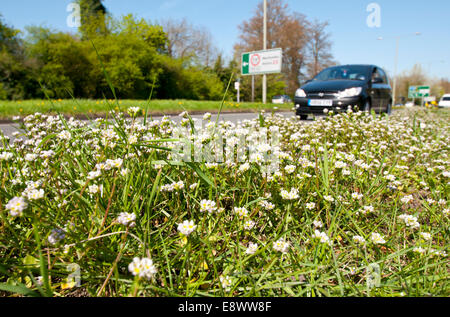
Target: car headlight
{"points": [[300, 93], [351, 92]]}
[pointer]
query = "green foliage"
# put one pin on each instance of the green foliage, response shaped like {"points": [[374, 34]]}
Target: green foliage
{"points": [[3, 93], [177, 81], [16, 72], [133, 52], [94, 20]]}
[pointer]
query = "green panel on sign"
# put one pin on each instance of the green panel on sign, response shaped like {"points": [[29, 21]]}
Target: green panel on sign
{"points": [[245, 64]]}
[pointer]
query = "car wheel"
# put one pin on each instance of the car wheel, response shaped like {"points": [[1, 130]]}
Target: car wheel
{"points": [[304, 117], [389, 109]]}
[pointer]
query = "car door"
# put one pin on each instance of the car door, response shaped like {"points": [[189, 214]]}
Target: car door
{"points": [[385, 91], [375, 92]]}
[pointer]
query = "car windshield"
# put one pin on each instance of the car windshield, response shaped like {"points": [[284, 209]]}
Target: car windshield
{"points": [[446, 99], [277, 97], [344, 73]]}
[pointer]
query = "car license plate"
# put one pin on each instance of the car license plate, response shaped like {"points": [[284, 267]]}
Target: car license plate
{"points": [[326, 103]]}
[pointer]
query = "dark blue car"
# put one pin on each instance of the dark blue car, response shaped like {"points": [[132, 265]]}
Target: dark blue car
{"points": [[340, 87]]}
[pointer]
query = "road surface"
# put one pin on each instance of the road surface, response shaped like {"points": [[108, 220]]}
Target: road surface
{"points": [[9, 129]]}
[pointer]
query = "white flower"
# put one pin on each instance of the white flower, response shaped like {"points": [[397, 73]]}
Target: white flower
{"points": [[133, 139], [252, 248], [317, 224], [377, 238], [64, 135], [226, 282], [35, 194], [30, 157], [352, 270], [340, 164], [94, 189], [242, 212], [207, 116], [359, 240], [6, 156], [144, 268], [267, 205], [193, 186], [367, 209], [124, 172], [290, 169], [244, 167], [390, 177], [16, 206], [292, 195], [207, 206], [322, 236], [186, 227], [248, 225], [406, 199], [211, 165], [94, 174], [178, 185], [425, 235], [281, 246], [133, 110], [126, 219], [357, 196], [419, 250], [329, 198], [310, 206], [410, 221]]}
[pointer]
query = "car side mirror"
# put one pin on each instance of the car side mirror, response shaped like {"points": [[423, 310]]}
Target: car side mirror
{"points": [[377, 80]]}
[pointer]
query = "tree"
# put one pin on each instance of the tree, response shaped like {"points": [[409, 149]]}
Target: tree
{"points": [[93, 18], [185, 41], [153, 35], [16, 71], [319, 48], [284, 30]]}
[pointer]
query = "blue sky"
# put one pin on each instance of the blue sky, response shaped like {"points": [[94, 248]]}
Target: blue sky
{"points": [[353, 40]]}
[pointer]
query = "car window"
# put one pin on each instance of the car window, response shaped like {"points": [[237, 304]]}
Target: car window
{"points": [[351, 72], [383, 75], [379, 74], [446, 99]]}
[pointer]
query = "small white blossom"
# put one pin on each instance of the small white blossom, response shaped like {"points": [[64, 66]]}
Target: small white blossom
{"points": [[16, 206], [126, 219], [143, 268], [186, 227], [377, 238], [252, 248], [281, 246]]}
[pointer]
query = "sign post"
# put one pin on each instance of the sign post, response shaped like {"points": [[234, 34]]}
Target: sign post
{"points": [[265, 48], [237, 86]]}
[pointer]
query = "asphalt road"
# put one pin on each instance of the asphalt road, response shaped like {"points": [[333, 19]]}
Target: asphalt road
{"points": [[9, 129]]}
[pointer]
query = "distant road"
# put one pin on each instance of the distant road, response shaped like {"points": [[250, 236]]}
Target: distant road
{"points": [[9, 129]]}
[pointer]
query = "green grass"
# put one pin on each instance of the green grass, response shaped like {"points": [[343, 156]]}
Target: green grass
{"points": [[83, 107], [327, 162]]}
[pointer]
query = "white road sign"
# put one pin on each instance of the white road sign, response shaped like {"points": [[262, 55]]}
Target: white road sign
{"points": [[262, 62]]}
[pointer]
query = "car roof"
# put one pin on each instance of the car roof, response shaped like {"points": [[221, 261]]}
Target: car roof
{"points": [[364, 65]]}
